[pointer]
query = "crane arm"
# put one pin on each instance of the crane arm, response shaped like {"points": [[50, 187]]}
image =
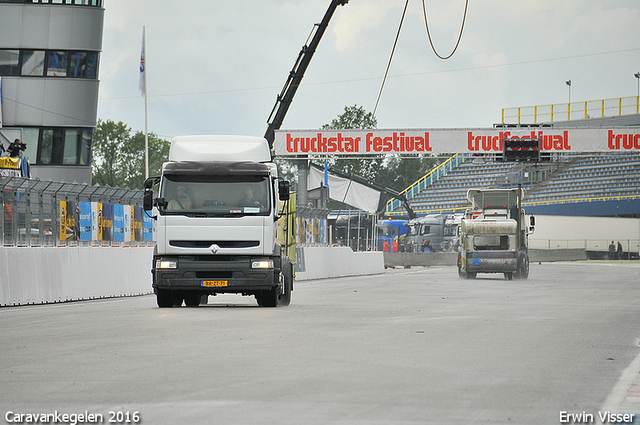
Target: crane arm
{"points": [[285, 97]]}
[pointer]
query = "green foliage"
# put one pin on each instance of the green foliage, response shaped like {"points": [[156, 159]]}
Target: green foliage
{"points": [[118, 155], [391, 171], [399, 173], [355, 117]]}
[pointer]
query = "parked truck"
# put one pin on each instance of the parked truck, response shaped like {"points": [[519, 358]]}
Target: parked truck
{"points": [[441, 230], [390, 231], [494, 234], [217, 213]]}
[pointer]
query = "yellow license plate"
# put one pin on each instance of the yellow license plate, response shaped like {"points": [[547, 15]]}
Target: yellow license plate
{"points": [[214, 283]]}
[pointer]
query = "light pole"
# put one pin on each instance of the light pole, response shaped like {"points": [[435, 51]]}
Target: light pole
{"points": [[569, 104], [637, 93]]}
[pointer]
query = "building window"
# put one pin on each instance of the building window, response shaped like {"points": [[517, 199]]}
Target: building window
{"points": [[30, 137], [51, 146], [72, 139], [58, 146], [33, 62], [52, 63], [9, 62], [85, 146], [72, 2], [83, 64], [57, 64]]}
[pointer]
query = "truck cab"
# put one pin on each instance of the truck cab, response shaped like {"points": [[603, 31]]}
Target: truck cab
{"points": [[422, 229]]}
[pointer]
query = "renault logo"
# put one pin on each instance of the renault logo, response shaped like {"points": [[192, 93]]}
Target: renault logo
{"points": [[214, 248]]}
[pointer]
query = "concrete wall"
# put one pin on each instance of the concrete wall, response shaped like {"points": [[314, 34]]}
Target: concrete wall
{"points": [[47, 275], [328, 262]]}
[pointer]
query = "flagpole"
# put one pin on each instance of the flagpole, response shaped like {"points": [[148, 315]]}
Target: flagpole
{"points": [[143, 88]]}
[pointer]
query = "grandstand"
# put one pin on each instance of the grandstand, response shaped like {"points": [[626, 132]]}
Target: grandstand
{"points": [[587, 184]]}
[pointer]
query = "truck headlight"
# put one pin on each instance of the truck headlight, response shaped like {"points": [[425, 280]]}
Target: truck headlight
{"points": [[166, 263], [264, 263]]}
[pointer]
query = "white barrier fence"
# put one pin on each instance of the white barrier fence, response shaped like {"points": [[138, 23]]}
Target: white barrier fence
{"points": [[49, 274], [329, 262]]}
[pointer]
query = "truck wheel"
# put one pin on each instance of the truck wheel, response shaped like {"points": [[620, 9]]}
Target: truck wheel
{"points": [[471, 275], [164, 297], [268, 298], [192, 299], [523, 268], [287, 283], [508, 275]]}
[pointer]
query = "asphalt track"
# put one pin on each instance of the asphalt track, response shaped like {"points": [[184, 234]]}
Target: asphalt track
{"points": [[415, 346]]}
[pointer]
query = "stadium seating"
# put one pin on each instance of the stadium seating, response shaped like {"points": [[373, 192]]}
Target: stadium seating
{"points": [[576, 177]]}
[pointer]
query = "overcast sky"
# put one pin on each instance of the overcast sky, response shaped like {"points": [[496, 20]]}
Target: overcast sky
{"points": [[216, 66]]}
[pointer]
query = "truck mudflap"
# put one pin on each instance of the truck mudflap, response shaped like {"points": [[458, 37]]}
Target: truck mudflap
{"points": [[491, 262]]}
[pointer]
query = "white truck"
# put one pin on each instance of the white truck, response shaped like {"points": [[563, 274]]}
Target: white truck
{"points": [[441, 230], [494, 234], [217, 213]]}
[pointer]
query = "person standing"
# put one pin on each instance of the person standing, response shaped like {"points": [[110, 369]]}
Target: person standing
{"points": [[619, 251], [612, 250]]}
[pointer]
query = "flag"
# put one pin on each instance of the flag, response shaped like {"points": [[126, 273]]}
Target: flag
{"points": [[143, 74]]}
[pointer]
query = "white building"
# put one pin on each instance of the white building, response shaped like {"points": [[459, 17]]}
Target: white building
{"points": [[49, 61]]}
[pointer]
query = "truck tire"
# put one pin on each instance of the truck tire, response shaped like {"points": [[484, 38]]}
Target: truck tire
{"points": [[281, 294], [268, 298], [287, 283], [523, 267], [164, 297], [192, 298]]}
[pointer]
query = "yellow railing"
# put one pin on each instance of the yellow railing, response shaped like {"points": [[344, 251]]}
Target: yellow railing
{"points": [[439, 171], [525, 204], [572, 111], [576, 200]]}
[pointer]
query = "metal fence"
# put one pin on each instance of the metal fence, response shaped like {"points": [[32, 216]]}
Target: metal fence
{"points": [[47, 213]]}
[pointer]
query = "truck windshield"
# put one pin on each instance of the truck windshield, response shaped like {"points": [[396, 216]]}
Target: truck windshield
{"points": [[212, 196], [387, 230], [491, 242]]}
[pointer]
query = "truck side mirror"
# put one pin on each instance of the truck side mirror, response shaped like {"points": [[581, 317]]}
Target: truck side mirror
{"points": [[147, 200], [148, 183], [283, 189]]}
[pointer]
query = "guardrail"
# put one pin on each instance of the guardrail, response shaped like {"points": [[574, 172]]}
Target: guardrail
{"points": [[572, 110], [46, 213]]}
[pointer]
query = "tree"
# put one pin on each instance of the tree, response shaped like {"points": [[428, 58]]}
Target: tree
{"points": [[399, 172], [355, 117], [392, 171], [118, 156]]}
